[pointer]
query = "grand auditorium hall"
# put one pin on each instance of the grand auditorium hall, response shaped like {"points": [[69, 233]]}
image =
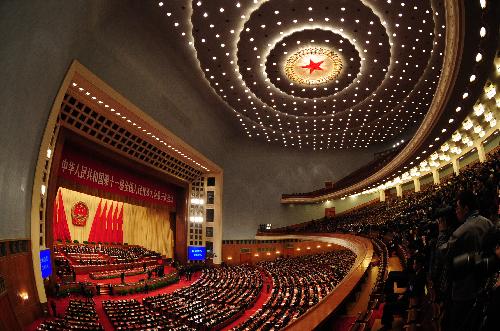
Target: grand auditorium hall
{"points": [[249, 165]]}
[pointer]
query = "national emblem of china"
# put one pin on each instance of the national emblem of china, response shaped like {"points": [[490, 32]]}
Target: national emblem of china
{"points": [[313, 66], [79, 213]]}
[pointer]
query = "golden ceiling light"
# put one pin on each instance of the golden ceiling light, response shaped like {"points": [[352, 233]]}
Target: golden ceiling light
{"points": [[479, 109], [456, 136], [490, 90], [313, 66], [24, 295]]}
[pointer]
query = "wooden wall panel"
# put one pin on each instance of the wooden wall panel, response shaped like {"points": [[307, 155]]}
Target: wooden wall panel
{"points": [[8, 320], [232, 255], [17, 271]]}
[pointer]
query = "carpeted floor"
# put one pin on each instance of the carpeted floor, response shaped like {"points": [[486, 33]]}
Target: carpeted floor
{"points": [[343, 323], [261, 299], [62, 303]]}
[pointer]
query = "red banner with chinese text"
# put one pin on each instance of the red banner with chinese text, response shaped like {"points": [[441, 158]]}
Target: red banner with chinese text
{"points": [[85, 170]]}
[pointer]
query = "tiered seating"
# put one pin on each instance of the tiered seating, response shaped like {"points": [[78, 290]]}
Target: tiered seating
{"points": [[403, 254], [132, 254], [413, 211], [383, 255], [80, 315], [213, 301], [299, 284], [364, 318], [86, 258], [237, 285], [408, 225], [341, 223], [117, 273], [132, 315], [113, 254], [63, 267]]}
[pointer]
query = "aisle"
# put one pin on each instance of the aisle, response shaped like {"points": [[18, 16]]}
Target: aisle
{"points": [[354, 308], [394, 264], [261, 300]]}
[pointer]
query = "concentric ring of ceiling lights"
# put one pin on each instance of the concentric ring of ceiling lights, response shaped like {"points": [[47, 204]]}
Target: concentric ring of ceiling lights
{"points": [[313, 66], [391, 55]]}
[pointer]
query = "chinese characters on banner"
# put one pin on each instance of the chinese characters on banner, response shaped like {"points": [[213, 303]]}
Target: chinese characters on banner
{"points": [[96, 174]]}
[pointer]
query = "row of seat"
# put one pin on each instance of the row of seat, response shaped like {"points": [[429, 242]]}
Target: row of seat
{"points": [[219, 297], [85, 254], [131, 315], [364, 320], [80, 315], [117, 273], [299, 283]]}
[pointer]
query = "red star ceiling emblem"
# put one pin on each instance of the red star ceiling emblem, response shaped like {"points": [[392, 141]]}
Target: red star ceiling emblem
{"points": [[313, 66]]}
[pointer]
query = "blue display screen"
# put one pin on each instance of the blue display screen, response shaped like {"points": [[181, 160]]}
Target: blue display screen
{"points": [[197, 253], [45, 263]]}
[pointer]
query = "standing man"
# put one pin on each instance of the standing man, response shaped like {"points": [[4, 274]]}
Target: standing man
{"points": [[466, 239], [53, 305]]}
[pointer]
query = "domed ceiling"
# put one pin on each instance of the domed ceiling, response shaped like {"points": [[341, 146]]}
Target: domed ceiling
{"points": [[318, 74]]}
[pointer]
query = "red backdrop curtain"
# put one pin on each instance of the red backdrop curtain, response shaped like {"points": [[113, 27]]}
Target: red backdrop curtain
{"points": [[60, 223]]}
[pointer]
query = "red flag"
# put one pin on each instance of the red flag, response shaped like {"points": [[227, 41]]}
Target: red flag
{"points": [[109, 220], [114, 233], [94, 223], [63, 222], [102, 224], [55, 220], [120, 226]]}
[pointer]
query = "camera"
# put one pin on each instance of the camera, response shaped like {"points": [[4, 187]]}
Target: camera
{"points": [[480, 265], [483, 263]]}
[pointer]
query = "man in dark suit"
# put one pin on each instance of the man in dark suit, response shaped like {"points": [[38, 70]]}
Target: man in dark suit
{"points": [[53, 305], [466, 239]]}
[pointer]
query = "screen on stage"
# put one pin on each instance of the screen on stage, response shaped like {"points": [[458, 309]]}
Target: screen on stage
{"points": [[197, 253], [45, 263]]}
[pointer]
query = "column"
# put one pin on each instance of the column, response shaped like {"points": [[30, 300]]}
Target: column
{"points": [[416, 183], [435, 176], [381, 195], [399, 191], [454, 162], [217, 239], [480, 152]]}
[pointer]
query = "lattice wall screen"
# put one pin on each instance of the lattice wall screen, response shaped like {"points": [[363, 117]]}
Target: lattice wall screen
{"points": [[195, 236], [78, 116]]}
